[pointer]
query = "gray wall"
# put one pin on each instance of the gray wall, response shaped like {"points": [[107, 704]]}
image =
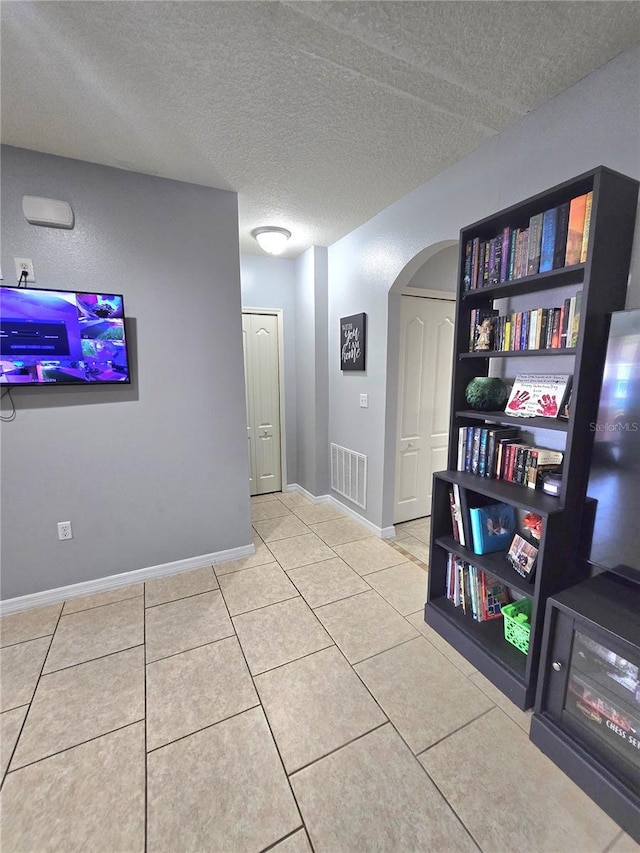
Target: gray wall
{"points": [[269, 282], [311, 370], [594, 122], [158, 471]]}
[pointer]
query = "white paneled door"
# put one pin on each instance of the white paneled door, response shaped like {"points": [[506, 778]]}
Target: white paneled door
{"points": [[260, 336], [424, 393]]}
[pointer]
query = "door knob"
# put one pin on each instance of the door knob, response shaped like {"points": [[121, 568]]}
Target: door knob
{"points": [[557, 665]]}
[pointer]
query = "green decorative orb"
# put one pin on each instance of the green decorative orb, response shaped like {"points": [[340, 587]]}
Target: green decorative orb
{"points": [[486, 393]]}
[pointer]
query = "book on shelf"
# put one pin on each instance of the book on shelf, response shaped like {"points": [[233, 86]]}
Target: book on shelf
{"points": [[575, 319], [478, 593], [577, 211], [552, 239], [457, 521], [549, 223], [492, 527], [586, 229], [542, 461], [495, 436], [534, 245], [562, 226]]}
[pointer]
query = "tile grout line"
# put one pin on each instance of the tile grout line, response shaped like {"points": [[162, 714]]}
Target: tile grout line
{"points": [[391, 723], [309, 764], [453, 811], [73, 746], [296, 594], [181, 597], [96, 606], [90, 660], [284, 838], [463, 726], [203, 728], [616, 838], [35, 688], [332, 644], [31, 639], [413, 754], [275, 743], [190, 649]]}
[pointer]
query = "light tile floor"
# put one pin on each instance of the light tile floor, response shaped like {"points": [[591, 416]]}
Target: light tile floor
{"points": [[290, 701]]}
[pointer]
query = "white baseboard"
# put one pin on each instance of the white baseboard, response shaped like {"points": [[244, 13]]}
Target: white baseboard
{"points": [[381, 532], [76, 590]]}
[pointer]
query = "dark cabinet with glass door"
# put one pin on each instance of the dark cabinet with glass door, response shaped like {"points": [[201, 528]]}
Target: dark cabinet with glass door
{"points": [[587, 716]]}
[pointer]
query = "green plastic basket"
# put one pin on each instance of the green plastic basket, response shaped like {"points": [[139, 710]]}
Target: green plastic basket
{"points": [[516, 632]]}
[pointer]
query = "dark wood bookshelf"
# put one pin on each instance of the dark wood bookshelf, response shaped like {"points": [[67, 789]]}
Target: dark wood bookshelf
{"points": [[602, 279], [504, 418], [518, 353], [502, 491]]}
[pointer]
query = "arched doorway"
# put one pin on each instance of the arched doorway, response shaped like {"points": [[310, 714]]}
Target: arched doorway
{"points": [[419, 357]]}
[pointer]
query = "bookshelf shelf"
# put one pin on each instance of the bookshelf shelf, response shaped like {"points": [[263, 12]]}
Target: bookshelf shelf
{"points": [[504, 418], [529, 284], [518, 353], [531, 500], [601, 280], [495, 564], [488, 636]]}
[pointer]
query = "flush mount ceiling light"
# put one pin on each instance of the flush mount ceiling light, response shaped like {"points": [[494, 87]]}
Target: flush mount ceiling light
{"points": [[271, 239]]}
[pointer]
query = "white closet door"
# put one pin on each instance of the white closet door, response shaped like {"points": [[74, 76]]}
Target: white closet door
{"points": [[426, 351], [260, 333]]}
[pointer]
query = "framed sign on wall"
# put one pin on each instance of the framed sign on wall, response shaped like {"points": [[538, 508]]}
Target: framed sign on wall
{"points": [[353, 331]]}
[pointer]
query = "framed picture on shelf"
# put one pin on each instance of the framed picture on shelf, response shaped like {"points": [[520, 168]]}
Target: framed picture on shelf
{"points": [[353, 331], [522, 555], [538, 395]]}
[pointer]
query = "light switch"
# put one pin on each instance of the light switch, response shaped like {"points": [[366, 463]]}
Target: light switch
{"points": [[364, 401]]}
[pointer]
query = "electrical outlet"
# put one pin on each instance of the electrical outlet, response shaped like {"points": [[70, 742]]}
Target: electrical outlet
{"points": [[64, 530], [23, 264], [364, 401]]}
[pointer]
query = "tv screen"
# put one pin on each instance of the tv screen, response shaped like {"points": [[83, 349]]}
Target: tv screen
{"points": [[614, 478], [61, 337]]}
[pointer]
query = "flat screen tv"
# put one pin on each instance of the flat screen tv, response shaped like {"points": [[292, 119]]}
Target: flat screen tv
{"points": [[614, 478], [61, 337]]}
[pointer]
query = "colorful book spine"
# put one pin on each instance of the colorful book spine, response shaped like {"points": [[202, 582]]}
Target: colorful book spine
{"points": [[468, 253], [475, 262], [586, 229], [534, 247], [547, 243], [575, 326], [560, 246], [575, 232], [468, 450], [504, 258], [512, 254], [555, 334]]}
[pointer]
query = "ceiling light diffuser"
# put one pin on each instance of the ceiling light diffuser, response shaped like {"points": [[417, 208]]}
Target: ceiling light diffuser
{"points": [[272, 240]]}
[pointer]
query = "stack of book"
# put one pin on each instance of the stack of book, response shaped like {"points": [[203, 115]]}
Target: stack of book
{"points": [[539, 328], [477, 592], [556, 238], [500, 453]]}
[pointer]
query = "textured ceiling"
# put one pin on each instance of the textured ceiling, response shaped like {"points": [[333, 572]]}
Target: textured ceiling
{"points": [[319, 114]]}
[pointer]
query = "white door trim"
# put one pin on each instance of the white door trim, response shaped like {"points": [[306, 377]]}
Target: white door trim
{"points": [[428, 294], [278, 313]]}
